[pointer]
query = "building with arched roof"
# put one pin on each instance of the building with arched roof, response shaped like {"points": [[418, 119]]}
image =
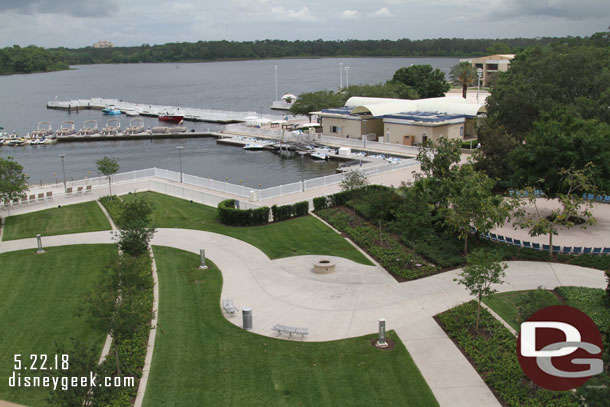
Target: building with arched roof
{"points": [[402, 121]]}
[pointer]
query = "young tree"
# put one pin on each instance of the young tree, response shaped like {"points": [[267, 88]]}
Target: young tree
{"points": [[427, 81], [136, 230], [413, 217], [572, 206], [353, 180], [108, 166], [473, 203], [483, 269], [13, 182], [438, 159], [464, 75]]}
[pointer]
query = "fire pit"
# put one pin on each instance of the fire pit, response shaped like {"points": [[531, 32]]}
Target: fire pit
{"points": [[324, 266]]}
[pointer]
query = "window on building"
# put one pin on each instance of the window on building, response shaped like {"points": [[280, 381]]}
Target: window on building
{"points": [[492, 67], [462, 132], [335, 129]]}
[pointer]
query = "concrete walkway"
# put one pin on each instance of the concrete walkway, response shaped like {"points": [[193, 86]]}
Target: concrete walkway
{"points": [[349, 302]]}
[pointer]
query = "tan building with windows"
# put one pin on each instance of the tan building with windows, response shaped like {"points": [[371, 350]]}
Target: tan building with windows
{"points": [[103, 44], [398, 121], [491, 66]]}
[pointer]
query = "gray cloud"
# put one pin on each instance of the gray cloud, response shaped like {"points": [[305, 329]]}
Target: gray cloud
{"points": [[565, 9], [75, 8]]}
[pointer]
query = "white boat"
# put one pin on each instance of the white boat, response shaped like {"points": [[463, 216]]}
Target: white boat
{"points": [[89, 128], [393, 160], [113, 126], [253, 146], [319, 156], [43, 129], [132, 112], [66, 128], [136, 126]]}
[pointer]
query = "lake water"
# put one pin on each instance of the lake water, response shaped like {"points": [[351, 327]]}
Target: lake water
{"points": [[235, 85]]}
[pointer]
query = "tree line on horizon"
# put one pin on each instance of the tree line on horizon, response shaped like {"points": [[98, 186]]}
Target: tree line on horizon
{"points": [[28, 59]]}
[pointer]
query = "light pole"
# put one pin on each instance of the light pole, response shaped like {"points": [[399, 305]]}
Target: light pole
{"points": [[63, 168], [179, 148], [340, 75], [276, 82], [479, 74], [347, 76]]}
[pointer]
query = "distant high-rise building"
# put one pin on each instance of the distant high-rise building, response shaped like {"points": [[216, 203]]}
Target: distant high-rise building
{"points": [[103, 44]]}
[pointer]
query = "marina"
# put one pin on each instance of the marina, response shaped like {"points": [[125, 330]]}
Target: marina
{"points": [[174, 114]]}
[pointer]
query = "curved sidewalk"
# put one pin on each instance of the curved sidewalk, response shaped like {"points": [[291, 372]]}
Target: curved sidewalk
{"points": [[349, 302]]}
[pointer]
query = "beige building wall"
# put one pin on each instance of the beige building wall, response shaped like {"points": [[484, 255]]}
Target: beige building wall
{"points": [[351, 128], [409, 134]]}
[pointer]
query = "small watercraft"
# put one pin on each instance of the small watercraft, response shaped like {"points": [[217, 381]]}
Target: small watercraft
{"points": [[113, 126], [110, 110], [44, 129], [253, 146], [66, 128], [136, 126], [89, 128], [319, 156], [169, 116]]}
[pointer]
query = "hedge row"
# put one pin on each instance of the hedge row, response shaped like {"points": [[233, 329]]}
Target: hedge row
{"points": [[289, 211], [230, 215], [340, 198], [494, 357]]}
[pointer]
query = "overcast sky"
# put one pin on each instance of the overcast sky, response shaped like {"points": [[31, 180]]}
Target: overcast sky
{"points": [[78, 23]]}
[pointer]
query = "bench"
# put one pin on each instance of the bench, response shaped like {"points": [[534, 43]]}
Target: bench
{"points": [[228, 307], [280, 329]]}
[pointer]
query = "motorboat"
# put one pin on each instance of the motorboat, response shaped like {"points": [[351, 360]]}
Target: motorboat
{"points": [[136, 126], [318, 155], [253, 147], [113, 126], [132, 112], [48, 140], [89, 128], [111, 110], [66, 128], [169, 116], [42, 130], [393, 160]]}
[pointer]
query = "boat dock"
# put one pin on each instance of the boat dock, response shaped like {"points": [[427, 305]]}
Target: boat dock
{"points": [[190, 113], [141, 136]]}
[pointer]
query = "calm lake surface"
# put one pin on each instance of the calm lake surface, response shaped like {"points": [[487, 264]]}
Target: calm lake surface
{"points": [[245, 86]]}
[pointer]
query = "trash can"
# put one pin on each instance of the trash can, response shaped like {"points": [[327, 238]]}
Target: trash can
{"points": [[247, 316]]}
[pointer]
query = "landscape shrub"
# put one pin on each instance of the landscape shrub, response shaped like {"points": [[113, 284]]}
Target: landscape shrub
{"points": [[320, 203], [493, 354], [375, 202], [230, 215], [284, 212], [382, 246], [114, 206]]}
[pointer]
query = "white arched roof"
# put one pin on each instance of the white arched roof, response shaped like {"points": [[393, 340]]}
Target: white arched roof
{"points": [[384, 106]]}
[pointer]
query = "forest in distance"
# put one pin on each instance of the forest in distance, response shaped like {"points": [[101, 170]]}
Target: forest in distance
{"points": [[30, 59]]}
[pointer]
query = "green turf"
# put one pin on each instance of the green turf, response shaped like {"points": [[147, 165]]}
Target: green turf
{"points": [[40, 301], [83, 217], [295, 237], [200, 359], [505, 304]]}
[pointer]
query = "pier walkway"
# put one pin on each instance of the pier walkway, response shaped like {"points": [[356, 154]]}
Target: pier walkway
{"points": [[190, 113]]}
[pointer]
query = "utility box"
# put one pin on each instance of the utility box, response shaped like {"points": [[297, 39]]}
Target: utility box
{"points": [[247, 318], [345, 151]]}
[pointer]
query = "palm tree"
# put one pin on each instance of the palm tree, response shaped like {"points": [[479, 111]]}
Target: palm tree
{"points": [[463, 74]]}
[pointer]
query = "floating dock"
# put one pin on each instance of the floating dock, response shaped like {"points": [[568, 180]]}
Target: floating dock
{"points": [[190, 114]]}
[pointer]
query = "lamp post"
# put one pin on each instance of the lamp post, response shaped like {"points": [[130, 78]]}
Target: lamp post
{"points": [[63, 167], [479, 74], [275, 82], [340, 75], [347, 76], [179, 148]]}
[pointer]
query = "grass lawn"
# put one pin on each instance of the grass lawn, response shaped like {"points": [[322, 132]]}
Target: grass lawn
{"points": [[83, 217], [201, 359], [295, 237], [506, 304], [40, 299]]}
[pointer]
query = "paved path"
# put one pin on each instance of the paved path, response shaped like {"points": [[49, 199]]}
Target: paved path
{"points": [[349, 302]]}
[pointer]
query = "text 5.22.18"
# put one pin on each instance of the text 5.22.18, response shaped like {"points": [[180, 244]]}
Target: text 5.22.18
{"points": [[41, 362]]}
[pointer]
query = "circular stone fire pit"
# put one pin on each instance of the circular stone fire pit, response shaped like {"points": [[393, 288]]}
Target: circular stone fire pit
{"points": [[324, 266]]}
